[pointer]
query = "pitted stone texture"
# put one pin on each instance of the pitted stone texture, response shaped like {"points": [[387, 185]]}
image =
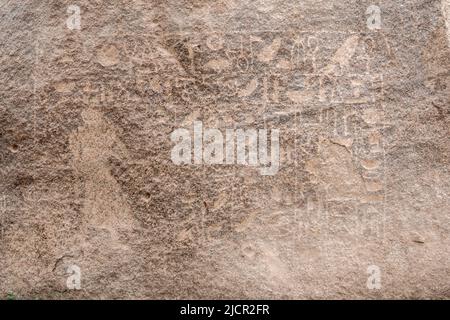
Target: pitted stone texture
{"points": [[87, 178]]}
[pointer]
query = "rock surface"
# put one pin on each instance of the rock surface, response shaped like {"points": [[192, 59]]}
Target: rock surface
{"points": [[87, 180]]}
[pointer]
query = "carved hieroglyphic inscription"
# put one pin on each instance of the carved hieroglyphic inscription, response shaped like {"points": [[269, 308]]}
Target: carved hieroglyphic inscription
{"points": [[322, 89]]}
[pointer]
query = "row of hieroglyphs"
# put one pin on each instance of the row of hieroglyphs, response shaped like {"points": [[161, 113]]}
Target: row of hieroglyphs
{"points": [[190, 70], [251, 52], [373, 166], [306, 52], [193, 69], [285, 89]]}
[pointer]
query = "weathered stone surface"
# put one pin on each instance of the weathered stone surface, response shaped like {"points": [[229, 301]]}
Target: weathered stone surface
{"points": [[87, 179]]}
